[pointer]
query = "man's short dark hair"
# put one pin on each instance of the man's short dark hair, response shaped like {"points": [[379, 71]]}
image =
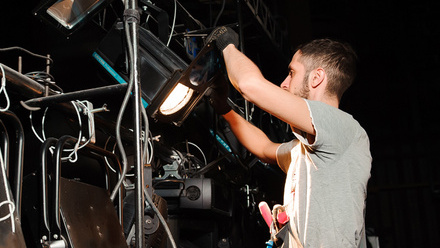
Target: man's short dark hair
{"points": [[338, 59]]}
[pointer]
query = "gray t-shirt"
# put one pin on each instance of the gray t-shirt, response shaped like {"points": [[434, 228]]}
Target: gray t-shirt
{"points": [[326, 183]]}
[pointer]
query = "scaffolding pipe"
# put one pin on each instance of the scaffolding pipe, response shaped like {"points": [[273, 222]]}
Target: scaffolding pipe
{"points": [[131, 15]]}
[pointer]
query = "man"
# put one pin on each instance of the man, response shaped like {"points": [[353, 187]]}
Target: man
{"points": [[328, 165]]}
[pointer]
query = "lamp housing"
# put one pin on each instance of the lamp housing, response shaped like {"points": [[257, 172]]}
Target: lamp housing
{"points": [[162, 73]]}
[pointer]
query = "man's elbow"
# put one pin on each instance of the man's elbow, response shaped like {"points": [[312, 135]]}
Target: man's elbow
{"points": [[268, 153], [267, 160], [249, 89]]}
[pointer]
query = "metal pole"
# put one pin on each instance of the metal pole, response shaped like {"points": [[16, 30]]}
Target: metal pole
{"points": [[80, 94], [139, 193], [27, 86]]}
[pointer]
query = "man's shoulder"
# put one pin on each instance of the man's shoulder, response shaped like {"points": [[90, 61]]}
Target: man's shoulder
{"points": [[324, 108], [324, 115]]}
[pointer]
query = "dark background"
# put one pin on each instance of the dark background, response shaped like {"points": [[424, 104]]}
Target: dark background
{"points": [[395, 96]]}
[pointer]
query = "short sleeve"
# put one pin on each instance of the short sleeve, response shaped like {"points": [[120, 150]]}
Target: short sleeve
{"points": [[284, 154], [335, 130]]}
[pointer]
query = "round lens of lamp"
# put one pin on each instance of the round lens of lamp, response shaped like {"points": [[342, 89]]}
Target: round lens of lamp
{"points": [[176, 100]]}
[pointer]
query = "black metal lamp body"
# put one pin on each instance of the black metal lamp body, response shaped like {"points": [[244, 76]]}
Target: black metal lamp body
{"points": [[162, 74]]}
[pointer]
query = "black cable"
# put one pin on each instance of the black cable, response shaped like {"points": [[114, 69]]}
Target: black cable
{"points": [[169, 181], [26, 51], [209, 166], [39, 75], [220, 13], [44, 78]]}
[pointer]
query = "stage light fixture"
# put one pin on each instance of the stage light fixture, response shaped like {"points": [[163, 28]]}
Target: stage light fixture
{"points": [[170, 87], [68, 15]]}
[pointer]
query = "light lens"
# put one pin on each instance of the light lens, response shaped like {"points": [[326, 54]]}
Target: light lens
{"points": [[176, 100]]}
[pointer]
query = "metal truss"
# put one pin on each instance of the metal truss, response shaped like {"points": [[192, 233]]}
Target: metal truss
{"points": [[270, 26]]}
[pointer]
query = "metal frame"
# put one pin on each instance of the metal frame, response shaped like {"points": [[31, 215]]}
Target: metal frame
{"points": [[263, 15]]}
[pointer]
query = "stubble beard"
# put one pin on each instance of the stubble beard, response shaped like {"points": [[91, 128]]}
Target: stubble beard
{"points": [[304, 90]]}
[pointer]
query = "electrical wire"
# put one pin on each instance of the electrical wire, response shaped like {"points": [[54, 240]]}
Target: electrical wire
{"points": [[122, 110], [3, 89], [145, 158], [26, 51], [72, 157], [150, 144], [209, 166], [113, 151], [219, 13], [198, 148], [35, 75], [33, 128], [44, 79], [190, 16], [170, 181], [78, 145], [47, 79], [188, 156], [174, 22], [8, 197]]}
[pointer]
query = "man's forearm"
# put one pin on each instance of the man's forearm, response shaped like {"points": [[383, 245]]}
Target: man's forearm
{"points": [[242, 72], [252, 138]]}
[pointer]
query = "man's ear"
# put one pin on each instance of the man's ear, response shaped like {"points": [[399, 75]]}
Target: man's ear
{"points": [[318, 76]]}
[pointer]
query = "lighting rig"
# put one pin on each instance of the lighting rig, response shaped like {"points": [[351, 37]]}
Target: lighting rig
{"points": [[174, 180]]}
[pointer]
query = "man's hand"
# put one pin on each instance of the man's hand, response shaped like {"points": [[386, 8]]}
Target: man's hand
{"points": [[223, 36], [218, 95]]}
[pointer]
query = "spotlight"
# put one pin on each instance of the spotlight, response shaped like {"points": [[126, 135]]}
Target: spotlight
{"points": [[170, 87], [68, 15]]}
